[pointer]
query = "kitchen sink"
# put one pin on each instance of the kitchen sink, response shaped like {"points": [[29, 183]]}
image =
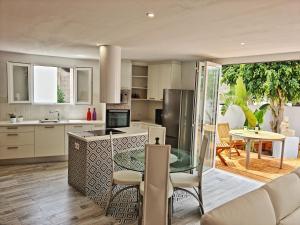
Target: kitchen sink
{"points": [[49, 121]]}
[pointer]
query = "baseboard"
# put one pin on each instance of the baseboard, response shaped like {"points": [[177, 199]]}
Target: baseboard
{"points": [[33, 160]]}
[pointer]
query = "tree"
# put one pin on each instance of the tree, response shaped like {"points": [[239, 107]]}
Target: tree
{"points": [[60, 95], [239, 96], [276, 82]]}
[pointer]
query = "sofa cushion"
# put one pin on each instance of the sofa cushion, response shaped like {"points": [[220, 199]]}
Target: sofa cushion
{"points": [[252, 208], [292, 219], [285, 194], [297, 171]]}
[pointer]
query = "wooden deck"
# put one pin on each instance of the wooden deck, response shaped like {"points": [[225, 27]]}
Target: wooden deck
{"points": [[264, 170], [38, 194]]}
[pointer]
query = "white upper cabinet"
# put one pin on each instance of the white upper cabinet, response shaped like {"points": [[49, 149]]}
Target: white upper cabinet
{"points": [[19, 82], [126, 74], [163, 76], [83, 86]]}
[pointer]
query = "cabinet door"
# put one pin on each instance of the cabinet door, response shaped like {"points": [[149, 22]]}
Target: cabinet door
{"points": [[83, 86], [153, 73], [176, 76], [126, 74], [49, 140], [165, 71], [19, 82]]}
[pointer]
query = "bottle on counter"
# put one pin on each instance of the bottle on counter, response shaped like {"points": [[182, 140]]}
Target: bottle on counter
{"points": [[94, 114], [89, 114]]}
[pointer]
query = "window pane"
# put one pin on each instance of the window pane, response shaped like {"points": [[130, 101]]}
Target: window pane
{"points": [[45, 84], [20, 80], [64, 85], [83, 87]]}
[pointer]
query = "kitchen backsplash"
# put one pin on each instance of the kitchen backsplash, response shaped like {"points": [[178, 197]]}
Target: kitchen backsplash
{"points": [[37, 112]]}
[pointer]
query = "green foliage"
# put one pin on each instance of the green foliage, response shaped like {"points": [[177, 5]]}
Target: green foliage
{"points": [[60, 95], [266, 80], [238, 96]]}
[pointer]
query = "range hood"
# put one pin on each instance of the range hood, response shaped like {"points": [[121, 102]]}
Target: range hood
{"points": [[110, 74]]}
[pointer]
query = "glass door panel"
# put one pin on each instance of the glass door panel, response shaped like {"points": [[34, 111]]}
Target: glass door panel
{"points": [[206, 108]]}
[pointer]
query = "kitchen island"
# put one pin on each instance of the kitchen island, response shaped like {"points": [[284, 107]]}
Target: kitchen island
{"points": [[91, 166]]}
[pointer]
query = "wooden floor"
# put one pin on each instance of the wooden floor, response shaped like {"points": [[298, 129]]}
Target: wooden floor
{"points": [[264, 170], [38, 194]]}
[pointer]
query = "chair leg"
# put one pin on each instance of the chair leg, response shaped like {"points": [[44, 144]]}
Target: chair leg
{"points": [[137, 201], [140, 215], [170, 214], [221, 157], [237, 151], [200, 201], [110, 199]]}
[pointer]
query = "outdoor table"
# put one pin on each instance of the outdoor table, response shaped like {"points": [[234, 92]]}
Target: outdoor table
{"points": [[250, 135]]}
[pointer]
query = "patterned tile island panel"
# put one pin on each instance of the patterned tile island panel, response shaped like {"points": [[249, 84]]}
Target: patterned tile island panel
{"points": [[91, 164]]}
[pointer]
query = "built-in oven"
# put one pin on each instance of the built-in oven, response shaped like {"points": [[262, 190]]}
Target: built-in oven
{"points": [[117, 118]]}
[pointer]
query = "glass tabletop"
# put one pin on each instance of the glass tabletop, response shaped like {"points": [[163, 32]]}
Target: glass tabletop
{"points": [[134, 159]]}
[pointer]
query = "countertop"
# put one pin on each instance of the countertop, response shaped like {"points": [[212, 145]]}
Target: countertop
{"points": [[129, 131], [61, 122]]}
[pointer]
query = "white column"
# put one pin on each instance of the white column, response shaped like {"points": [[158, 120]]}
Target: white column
{"points": [[110, 74]]}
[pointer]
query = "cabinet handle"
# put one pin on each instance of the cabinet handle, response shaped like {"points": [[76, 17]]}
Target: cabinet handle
{"points": [[152, 98], [12, 128], [12, 147], [12, 134], [78, 126], [49, 126]]}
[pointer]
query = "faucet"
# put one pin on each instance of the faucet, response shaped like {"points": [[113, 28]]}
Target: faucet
{"points": [[55, 111]]}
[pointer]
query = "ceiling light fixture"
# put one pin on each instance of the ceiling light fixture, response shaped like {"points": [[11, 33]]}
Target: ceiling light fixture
{"points": [[150, 14], [243, 43]]}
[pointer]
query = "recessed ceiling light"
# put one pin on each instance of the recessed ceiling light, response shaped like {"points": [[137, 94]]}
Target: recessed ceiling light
{"points": [[243, 43], [150, 14]]}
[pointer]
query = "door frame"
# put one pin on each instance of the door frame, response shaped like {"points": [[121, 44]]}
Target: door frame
{"points": [[199, 69]]}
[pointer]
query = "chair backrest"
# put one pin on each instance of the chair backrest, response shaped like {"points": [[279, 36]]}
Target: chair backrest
{"points": [[155, 207], [156, 132], [223, 131], [202, 153]]}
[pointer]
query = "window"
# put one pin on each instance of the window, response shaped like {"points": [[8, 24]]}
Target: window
{"points": [[52, 85]]}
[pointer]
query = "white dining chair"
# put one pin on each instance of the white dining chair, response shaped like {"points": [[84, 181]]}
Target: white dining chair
{"points": [[185, 181], [127, 178], [156, 132], [156, 191]]}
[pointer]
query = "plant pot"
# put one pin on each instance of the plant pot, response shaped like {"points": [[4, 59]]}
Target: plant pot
{"points": [[13, 120], [20, 119]]}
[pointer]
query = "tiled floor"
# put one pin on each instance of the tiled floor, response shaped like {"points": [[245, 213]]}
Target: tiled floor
{"points": [[39, 194]]}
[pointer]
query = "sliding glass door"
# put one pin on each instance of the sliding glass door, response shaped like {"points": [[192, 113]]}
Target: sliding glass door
{"points": [[208, 75]]}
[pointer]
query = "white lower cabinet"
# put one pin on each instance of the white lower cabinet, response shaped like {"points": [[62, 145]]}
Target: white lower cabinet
{"points": [[49, 140], [16, 152], [16, 142]]}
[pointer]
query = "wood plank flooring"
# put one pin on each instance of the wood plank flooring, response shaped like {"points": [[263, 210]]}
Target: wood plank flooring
{"points": [[38, 194]]}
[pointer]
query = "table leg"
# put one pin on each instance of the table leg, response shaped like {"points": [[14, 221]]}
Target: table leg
{"points": [[248, 149], [259, 149], [282, 153]]}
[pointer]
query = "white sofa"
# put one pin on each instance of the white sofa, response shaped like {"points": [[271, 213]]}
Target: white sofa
{"points": [[276, 203]]}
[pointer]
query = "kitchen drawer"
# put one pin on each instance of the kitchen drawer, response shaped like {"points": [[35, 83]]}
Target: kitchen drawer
{"points": [[49, 140], [14, 129], [14, 152], [76, 128], [16, 138]]}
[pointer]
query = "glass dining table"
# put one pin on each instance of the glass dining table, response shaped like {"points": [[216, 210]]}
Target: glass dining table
{"points": [[134, 159]]}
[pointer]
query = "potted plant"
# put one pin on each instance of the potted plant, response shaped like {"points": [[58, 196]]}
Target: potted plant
{"points": [[20, 118], [13, 118]]}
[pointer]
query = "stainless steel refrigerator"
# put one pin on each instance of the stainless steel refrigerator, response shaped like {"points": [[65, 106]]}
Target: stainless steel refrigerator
{"points": [[177, 117]]}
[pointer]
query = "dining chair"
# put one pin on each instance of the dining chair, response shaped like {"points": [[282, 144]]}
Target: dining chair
{"points": [[156, 191], [156, 132], [182, 181], [127, 178], [224, 137]]}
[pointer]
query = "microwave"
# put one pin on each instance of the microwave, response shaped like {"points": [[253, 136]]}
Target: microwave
{"points": [[117, 118]]}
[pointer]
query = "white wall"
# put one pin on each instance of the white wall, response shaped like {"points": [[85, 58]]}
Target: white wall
{"points": [[39, 112], [235, 117]]}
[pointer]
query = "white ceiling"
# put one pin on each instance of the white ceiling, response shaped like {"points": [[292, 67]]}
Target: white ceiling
{"points": [[182, 29]]}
